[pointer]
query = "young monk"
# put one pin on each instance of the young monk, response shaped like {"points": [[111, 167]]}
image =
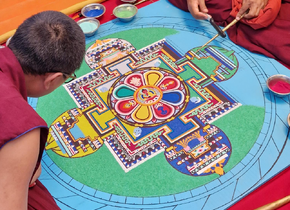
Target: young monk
{"points": [[44, 52]]}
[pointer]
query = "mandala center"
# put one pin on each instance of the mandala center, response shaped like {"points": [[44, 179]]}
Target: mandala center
{"points": [[148, 95]]}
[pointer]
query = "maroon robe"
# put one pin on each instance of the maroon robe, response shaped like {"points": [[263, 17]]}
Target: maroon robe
{"points": [[270, 37], [17, 117]]}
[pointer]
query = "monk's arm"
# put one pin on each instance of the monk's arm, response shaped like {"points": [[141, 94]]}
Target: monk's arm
{"points": [[18, 159], [35, 176]]}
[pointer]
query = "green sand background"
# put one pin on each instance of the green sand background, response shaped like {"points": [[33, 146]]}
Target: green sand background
{"points": [[154, 177]]}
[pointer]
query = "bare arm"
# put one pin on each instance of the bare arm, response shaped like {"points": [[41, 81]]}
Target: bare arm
{"points": [[17, 162], [197, 8], [36, 175], [254, 5]]}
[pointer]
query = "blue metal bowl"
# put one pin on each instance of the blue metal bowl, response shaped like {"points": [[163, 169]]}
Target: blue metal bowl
{"points": [[93, 10]]}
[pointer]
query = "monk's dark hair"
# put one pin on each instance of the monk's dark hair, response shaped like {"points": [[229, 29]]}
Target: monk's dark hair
{"points": [[49, 41]]}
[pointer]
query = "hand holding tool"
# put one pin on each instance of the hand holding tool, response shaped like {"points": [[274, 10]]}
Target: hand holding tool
{"points": [[221, 32], [216, 27]]}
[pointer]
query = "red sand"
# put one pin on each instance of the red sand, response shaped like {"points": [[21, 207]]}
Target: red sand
{"points": [[280, 86]]}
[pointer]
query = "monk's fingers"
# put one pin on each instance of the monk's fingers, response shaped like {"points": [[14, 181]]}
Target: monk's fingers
{"points": [[264, 3], [246, 5], [261, 4], [254, 12], [194, 9], [254, 5], [202, 6], [255, 8]]}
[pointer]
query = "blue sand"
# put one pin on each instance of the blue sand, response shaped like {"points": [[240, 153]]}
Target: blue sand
{"points": [[94, 12], [76, 132], [173, 97]]}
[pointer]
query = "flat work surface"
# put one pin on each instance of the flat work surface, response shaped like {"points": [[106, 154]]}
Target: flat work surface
{"points": [[150, 125]]}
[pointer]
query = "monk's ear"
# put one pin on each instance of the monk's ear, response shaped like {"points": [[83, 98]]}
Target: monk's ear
{"points": [[52, 79]]}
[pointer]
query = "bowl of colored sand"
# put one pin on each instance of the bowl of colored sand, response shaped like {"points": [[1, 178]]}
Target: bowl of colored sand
{"points": [[125, 12], [279, 84], [93, 10], [89, 26]]}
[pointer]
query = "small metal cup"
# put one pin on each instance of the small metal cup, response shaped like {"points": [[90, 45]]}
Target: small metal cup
{"points": [[275, 78], [94, 6], [125, 7], [92, 20]]}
